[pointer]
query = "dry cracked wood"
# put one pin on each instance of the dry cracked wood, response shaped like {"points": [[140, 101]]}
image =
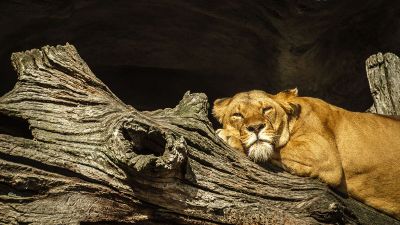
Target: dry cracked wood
{"points": [[88, 158], [383, 72]]}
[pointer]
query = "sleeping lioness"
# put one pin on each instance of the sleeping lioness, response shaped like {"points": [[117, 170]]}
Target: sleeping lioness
{"points": [[356, 153]]}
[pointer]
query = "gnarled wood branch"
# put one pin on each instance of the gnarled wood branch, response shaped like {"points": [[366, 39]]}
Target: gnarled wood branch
{"points": [[91, 159]]}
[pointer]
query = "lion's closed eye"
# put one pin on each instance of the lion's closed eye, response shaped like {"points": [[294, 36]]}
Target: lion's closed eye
{"points": [[267, 110], [237, 116]]}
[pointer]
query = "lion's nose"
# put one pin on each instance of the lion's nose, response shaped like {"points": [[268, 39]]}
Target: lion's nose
{"points": [[255, 127]]}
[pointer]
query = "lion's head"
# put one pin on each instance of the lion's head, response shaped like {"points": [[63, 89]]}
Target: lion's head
{"points": [[258, 119]]}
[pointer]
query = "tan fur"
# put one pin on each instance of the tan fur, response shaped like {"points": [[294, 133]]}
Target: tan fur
{"points": [[357, 153]]}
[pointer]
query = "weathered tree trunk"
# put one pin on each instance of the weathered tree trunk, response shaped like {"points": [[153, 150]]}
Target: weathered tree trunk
{"points": [[90, 159], [383, 72]]}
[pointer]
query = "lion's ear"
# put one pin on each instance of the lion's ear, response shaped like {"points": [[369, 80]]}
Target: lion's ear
{"points": [[288, 93], [283, 98], [292, 109], [220, 107]]}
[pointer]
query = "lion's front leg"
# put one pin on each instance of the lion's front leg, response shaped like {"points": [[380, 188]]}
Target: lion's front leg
{"points": [[293, 165], [314, 158], [230, 138]]}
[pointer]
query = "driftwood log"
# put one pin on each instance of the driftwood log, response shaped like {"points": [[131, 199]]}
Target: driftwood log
{"points": [[71, 152]]}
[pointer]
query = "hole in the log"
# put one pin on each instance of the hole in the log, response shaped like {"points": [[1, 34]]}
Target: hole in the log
{"points": [[17, 191], [14, 126], [145, 143]]}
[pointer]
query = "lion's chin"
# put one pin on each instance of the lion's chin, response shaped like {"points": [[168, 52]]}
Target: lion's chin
{"points": [[260, 151]]}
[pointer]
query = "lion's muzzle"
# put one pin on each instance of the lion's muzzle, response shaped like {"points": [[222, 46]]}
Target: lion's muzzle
{"points": [[259, 145]]}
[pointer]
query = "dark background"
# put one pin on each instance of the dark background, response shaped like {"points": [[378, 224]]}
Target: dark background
{"points": [[150, 52]]}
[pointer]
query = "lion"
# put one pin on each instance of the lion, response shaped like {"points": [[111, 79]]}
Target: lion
{"points": [[356, 153]]}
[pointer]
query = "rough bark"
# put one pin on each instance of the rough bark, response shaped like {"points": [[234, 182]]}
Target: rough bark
{"points": [[383, 72], [90, 159]]}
